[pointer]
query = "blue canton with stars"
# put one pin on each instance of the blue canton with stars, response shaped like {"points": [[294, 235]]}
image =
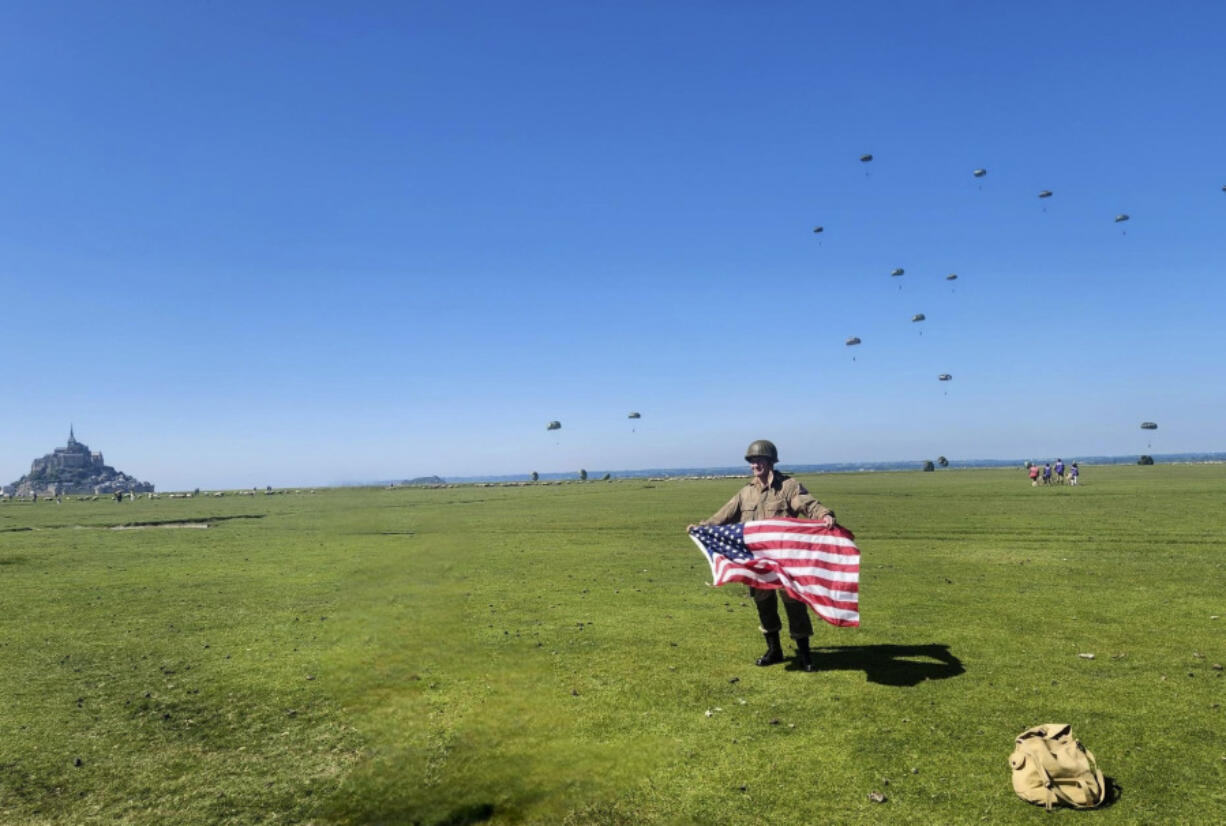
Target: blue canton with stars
{"points": [[726, 540]]}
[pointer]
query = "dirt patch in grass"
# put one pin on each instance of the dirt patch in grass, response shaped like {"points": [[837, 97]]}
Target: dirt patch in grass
{"points": [[202, 522]]}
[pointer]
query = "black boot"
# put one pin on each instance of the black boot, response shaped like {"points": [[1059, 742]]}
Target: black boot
{"points": [[803, 657], [774, 651]]}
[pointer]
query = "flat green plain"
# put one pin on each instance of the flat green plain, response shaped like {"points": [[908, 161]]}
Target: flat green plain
{"points": [[555, 654]]}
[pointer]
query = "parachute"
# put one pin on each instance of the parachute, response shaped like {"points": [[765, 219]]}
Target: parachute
{"points": [[979, 173], [555, 425], [1149, 425], [953, 276], [942, 461], [897, 271], [819, 229], [1045, 193], [852, 341], [1121, 218], [918, 317], [635, 415], [865, 158], [944, 377]]}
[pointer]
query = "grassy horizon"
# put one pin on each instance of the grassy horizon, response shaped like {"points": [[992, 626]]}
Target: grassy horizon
{"points": [[551, 654]]}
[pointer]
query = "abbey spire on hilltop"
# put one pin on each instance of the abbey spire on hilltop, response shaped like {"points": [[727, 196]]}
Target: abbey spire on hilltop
{"points": [[74, 468]]}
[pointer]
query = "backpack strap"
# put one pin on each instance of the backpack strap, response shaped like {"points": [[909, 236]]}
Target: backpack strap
{"points": [[1049, 788], [1093, 797]]}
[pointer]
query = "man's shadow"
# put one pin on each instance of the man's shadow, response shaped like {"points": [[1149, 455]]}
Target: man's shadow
{"points": [[900, 665]]}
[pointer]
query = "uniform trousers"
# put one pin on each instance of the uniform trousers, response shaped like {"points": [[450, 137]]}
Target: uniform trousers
{"points": [[800, 626]]}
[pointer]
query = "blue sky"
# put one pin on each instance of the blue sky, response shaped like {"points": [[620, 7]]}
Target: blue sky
{"points": [[294, 244]]}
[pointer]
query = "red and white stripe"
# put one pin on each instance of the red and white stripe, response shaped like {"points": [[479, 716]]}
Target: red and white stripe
{"points": [[817, 565]]}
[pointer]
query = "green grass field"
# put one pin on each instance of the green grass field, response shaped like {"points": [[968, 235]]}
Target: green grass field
{"points": [[553, 654]]}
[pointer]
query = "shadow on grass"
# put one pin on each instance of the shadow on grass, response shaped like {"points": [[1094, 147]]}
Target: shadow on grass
{"points": [[1114, 792], [468, 815], [900, 665]]}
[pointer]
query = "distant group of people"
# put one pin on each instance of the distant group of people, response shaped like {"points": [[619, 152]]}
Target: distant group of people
{"points": [[1056, 474]]}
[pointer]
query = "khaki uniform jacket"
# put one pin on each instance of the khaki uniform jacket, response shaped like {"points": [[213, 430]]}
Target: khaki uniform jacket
{"points": [[782, 496]]}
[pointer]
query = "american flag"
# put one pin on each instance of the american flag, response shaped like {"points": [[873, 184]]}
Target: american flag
{"points": [[815, 564]]}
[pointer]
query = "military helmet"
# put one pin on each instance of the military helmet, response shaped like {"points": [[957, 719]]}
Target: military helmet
{"points": [[762, 448]]}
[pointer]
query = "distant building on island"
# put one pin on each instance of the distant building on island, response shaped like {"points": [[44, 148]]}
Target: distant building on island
{"points": [[422, 480], [74, 468]]}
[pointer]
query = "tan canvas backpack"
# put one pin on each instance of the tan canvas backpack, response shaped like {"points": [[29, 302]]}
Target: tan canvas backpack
{"points": [[1050, 767]]}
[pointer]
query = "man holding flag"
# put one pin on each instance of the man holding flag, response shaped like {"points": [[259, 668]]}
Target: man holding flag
{"points": [[757, 539]]}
